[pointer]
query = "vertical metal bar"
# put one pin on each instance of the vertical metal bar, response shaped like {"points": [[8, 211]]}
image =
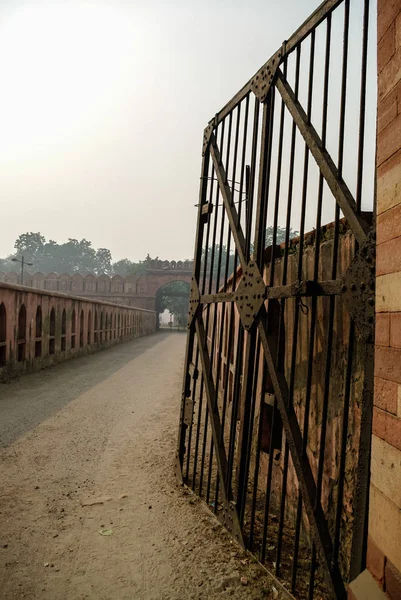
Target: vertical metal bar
{"points": [[251, 425], [190, 340], [343, 450], [216, 215], [332, 301], [240, 336], [188, 450], [252, 179], [313, 315], [225, 307], [203, 287], [361, 502], [282, 312], [362, 106], [197, 436], [216, 306]]}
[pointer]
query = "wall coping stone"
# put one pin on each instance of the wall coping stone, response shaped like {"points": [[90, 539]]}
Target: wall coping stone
{"points": [[39, 292]]}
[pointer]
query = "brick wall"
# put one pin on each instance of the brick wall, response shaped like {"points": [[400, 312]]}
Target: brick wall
{"points": [[384, 546]]}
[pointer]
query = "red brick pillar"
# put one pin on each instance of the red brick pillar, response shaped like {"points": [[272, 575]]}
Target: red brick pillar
{"points": [[384, 547]]}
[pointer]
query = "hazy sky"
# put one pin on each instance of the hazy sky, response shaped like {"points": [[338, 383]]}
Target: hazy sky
{"points": [[103, 107]]}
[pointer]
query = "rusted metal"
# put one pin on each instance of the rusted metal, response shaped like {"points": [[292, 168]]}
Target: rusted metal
{"points": [[276, 407], [358, 287], [250, 295]]}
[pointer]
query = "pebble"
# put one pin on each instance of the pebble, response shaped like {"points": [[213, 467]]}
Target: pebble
{"points": [[244, 581]]}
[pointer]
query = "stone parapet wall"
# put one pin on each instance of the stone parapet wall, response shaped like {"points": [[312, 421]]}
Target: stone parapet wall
{"points": [[41, 328], [139, 291]]}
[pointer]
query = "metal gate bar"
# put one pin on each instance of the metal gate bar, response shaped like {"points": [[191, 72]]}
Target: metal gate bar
{"points": [[276, 407]]}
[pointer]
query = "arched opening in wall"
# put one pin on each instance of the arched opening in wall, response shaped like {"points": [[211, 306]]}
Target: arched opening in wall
{"points": [[73, 328], [38, 332], [101, 327], [89, 340], [3, 335], [63, 330], [81, 330], [172, 305], [52, 331], [96, 339]]}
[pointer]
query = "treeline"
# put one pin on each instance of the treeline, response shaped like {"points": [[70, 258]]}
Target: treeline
{"points": [[73, 256]]}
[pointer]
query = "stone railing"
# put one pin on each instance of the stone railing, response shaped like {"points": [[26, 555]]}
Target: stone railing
{"points": [[39, 328]]}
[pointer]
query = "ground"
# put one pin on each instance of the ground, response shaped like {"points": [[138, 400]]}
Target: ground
{"points": [[89, 505]]}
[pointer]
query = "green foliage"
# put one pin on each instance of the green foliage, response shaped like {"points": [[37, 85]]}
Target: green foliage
{"points": [[221, 259], [73, 256]]}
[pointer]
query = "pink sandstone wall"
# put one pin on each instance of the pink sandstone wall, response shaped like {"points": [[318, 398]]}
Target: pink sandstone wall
{"points": [[384, 543], [39, 328], [384, 547], [139, 291]]}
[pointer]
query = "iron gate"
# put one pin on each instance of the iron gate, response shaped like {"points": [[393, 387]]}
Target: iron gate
{"points": [[276, 406]]}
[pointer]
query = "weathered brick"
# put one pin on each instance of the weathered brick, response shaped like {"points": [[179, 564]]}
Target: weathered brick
{"points": [[389, 225], [390, 75], [382, 334], [389, 183], [388, 140], [395, 330], [393, 581], [387, 427], [388, 297], [388, 257], [386, 47], [387, 110], [386, 395], [385, 525], [387, 12], [386, 469], [398, 31], [375, 560], [399, 401], [388, 363]]}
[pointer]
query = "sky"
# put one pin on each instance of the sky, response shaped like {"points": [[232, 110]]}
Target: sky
{"points": [[103, 107]]}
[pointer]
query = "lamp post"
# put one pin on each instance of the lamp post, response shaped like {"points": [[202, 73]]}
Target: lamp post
{"points": [[22, 262]]}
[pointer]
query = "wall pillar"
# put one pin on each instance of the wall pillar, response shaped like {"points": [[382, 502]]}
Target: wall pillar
{"points": [[384, 543]]}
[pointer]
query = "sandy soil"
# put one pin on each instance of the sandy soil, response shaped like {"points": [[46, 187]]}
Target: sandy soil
{"points": [[88, 449]]}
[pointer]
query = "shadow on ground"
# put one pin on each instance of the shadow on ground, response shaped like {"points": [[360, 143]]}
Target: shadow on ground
{"points": [[28, 401]]}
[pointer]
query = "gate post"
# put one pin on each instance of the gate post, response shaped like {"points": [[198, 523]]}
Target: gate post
{"points": [[384, 548]]}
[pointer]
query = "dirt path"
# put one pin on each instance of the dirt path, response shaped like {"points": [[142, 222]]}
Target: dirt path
{"points": [[103, 429]]}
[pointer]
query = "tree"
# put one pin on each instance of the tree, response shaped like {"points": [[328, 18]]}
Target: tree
{"points": [[30, 244], [280, 235]]}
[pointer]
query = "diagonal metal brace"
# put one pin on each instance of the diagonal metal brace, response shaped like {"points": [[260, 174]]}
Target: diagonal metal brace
{"points": [[231, 211], [324, 161], [231, 516], [307, 485]]}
